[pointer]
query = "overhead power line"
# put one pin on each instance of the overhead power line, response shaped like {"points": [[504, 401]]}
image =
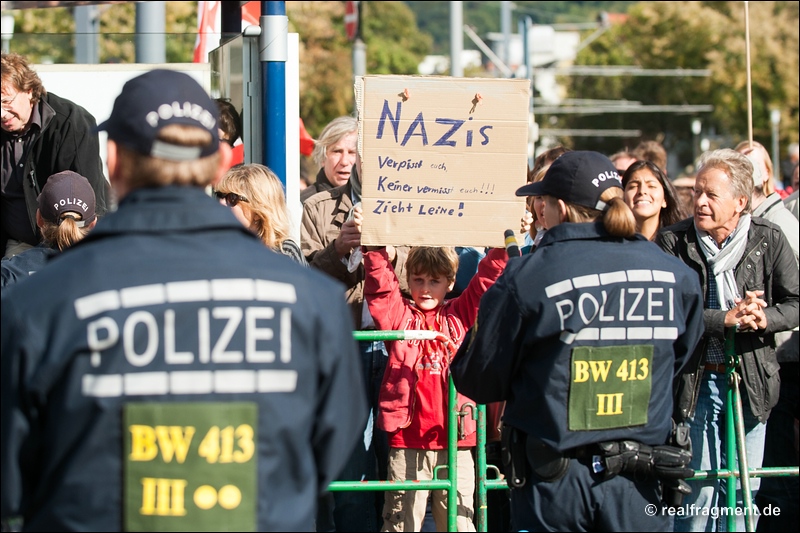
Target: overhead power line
{"points": [[615, 70], [596, 110], [554, 132]]}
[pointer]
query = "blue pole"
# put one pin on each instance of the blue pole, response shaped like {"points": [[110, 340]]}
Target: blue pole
{"points": [[273, 52]]}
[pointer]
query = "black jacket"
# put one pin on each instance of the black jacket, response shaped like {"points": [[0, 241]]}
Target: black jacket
{"points": [[68, 141], [767, 264]]}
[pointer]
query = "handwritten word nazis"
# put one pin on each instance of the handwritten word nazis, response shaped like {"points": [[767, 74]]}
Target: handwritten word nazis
{"points": [[448, 130]]}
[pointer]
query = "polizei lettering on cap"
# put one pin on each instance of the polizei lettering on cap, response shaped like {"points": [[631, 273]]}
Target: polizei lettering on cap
{"points": [[188, 109], [77, 202], [607, 175]]}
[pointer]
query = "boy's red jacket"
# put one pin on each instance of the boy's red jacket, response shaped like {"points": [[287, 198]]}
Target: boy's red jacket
{"points": [[412, 401]]}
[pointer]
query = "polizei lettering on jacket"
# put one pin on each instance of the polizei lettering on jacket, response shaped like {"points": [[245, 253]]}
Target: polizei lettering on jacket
{"points": [[621, 305], [166, 332], [613, 321], [448, 131]]}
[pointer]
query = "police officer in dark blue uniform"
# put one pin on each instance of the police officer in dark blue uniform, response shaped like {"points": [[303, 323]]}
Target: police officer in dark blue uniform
{"points": [[169, 372], [582, 340]]}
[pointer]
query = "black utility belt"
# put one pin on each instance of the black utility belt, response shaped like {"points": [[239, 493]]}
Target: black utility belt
{"points": [[610, 458]]}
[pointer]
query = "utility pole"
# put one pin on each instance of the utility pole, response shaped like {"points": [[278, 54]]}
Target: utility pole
{"points": [[150, 32], [274, 44], [505, 27], [524, 26], [775, 120], [456, 38], [87, 29], [697, 129], [355, 10]]}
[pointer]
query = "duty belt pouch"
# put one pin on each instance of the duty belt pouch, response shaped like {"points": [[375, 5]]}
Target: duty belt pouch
{"points": [[512, 453], [548, 464]]}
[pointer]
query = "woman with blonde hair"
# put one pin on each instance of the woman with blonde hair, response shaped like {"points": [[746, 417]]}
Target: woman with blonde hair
{"points": [[255, 195]]}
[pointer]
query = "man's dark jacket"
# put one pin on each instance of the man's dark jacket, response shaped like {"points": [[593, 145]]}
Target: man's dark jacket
{"points": [[68, 141], [767, 264]]}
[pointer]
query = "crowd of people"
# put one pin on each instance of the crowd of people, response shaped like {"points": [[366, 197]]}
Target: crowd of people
{"points": [[173, 359]]}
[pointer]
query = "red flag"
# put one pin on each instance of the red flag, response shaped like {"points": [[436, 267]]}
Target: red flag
{"points": [[251, 14], [209, 26], [306, 141]]}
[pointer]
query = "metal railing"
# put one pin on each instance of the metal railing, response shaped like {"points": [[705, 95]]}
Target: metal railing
{"points": [[735, 447]]}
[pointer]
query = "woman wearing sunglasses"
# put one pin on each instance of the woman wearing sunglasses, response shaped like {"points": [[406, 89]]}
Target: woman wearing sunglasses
{"points": [[255, 195]]}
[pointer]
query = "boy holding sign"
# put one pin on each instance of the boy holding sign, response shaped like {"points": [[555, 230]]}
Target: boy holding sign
{"points": [[414, 393]]}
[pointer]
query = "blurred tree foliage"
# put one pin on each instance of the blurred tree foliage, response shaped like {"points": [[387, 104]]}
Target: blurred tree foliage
{"points": [[695, 35], [394, 46], [44, 35], [47, 35]]}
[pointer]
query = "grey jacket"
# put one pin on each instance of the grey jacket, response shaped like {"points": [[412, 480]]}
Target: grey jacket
{"points": [[768, 264], [774, 210]]}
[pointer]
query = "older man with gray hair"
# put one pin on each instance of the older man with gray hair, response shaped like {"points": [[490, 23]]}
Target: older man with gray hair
{"points": [[750, 284]]}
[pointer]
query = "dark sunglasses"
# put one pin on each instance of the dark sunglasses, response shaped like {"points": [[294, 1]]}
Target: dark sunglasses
{"points": [[231, 198]]}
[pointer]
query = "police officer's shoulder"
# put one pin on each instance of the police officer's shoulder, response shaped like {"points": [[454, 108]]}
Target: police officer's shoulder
{"points": [[521, 272]]}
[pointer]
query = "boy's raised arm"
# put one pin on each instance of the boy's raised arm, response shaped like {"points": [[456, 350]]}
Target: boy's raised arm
{"points": [[382, 289]]}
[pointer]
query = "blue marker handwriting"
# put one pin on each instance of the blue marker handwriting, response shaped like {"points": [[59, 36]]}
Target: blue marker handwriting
{"points": [[398, 165], [384, 185], [391, 206], [448, 135]]}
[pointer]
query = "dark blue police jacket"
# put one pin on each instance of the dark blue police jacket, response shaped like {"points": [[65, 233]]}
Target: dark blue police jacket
{"points": [[583, 337], [22, 265], [169, 372]]}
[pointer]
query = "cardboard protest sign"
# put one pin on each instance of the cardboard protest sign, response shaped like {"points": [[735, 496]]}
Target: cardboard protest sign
{"points": [[441, 159]]}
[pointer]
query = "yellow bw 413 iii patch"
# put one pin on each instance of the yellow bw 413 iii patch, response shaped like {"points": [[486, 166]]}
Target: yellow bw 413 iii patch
{"points": [[610, 387], [190, 466]]}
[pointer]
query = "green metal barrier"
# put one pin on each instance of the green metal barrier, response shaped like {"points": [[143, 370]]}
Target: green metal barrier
{"points": [[450, 484], [735, 447]]}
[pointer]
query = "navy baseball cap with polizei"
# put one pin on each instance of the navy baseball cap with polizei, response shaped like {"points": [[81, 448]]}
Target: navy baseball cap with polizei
{"points": [[67, 192], [156, 99], [577, 177]]}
